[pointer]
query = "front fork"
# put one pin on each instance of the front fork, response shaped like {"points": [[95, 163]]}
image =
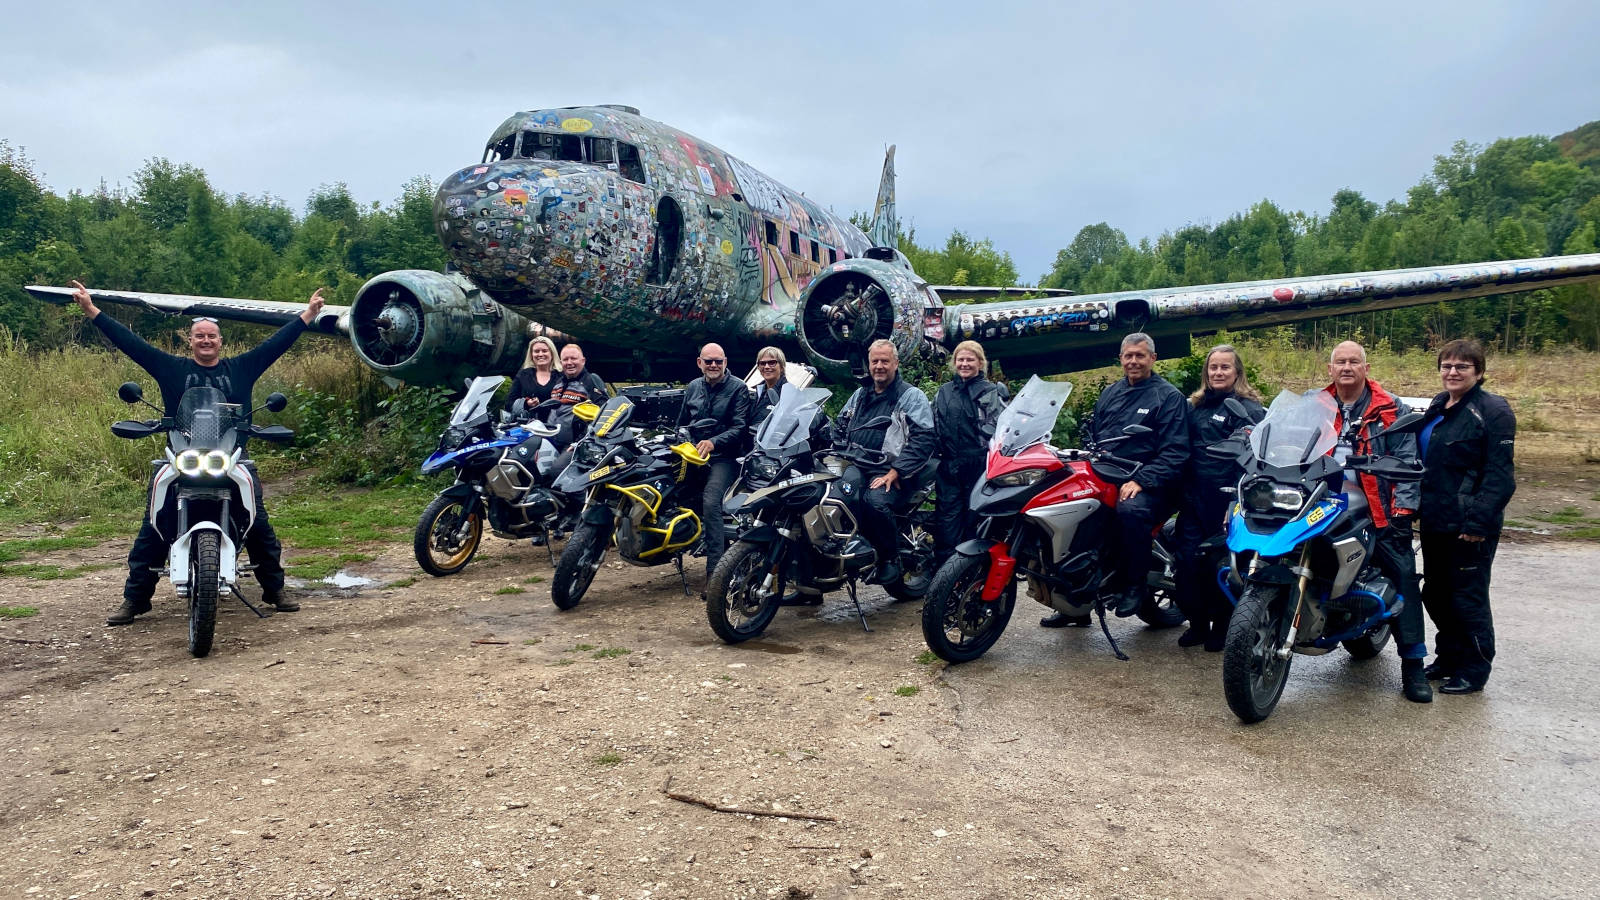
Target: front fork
{"points": [[1301, 591]]}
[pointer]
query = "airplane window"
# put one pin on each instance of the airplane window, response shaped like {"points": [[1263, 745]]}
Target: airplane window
{"points": [[505, 148], [833, 256], [772, 234], [815, 255], [602, 151], [794, 243], [629, 162], [545, 145]]}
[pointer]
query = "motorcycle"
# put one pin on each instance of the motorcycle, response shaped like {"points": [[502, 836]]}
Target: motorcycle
{"points": [[1301, 541], [503, 472], [631, 481], [800, 528], [1048, 515], [202, 498]]}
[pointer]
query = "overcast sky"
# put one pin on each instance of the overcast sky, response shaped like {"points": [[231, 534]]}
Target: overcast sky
{"points": [[1020, 122]]}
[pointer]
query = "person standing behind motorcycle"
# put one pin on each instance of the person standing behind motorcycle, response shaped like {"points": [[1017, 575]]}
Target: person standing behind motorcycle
{"points": [[965, 410], [1204, 505], [236, 378], [1141, 398], [1391, 505], [908, 443], [726, 402], [538, 376], [578, 384], [1468, 446]]}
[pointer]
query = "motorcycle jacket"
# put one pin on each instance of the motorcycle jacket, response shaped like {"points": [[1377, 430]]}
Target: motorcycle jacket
{"points": [[729, 403], [1468, 480], [909, 439], [584, 386], [1211, 422], [1157, 405], [964, 414], [1383, 498]]}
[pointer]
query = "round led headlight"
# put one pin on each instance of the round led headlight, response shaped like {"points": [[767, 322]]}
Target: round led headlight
{"points": [[215, 462], [188, 462]]}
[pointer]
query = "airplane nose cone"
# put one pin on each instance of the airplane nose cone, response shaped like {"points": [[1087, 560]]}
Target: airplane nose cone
{"points": [[496, 222]]}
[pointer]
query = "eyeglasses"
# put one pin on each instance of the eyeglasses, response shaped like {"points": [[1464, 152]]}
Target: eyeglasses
{"points": [[767, 362], [714, 362], [1457, 367], [199, 319]]}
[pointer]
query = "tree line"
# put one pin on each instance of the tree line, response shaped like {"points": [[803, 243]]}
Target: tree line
{"points": [[172, 232]]}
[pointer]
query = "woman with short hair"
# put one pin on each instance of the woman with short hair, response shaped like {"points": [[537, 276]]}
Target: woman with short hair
{"points": [[1468, 478]]}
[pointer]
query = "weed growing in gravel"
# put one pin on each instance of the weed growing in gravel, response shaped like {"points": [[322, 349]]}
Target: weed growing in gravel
{"points": [[560, 662], [45, 571], [403, 583], [529, 642], [611, 653], [511, 589], [582, 648], [533, 579], [927, 658], [906, 690], [18, 612], [608, 759]]}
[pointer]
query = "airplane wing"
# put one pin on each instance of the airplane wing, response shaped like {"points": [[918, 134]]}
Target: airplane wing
{"points": [[333, 320], [978, 294], [1074, 332]]}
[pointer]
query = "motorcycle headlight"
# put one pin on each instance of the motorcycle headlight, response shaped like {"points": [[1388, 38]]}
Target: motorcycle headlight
{"points": [[588, 455], [1267, 496], [763, 469], [1018, 479], [215, 462], [189, 462]]}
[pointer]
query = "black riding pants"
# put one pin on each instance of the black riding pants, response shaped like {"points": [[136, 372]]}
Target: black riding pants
{"points": [[1197, 593], [149, 552], [716, 475], [1456, 592], [1395, 557], [1137, 519], [955, 521]]}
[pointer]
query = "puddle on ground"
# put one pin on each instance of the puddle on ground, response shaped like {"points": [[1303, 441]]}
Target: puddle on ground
{"points": [[346, 580], [770, 647]]}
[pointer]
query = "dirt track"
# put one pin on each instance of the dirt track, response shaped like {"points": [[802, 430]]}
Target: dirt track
{"points": [[367, 747]]}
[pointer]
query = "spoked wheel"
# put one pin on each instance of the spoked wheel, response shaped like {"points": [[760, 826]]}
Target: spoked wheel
{"points": [[447, 536], [736, 606], [1370, 644], [580, 559], [1253, 675], [958, 624], [205, 561]]}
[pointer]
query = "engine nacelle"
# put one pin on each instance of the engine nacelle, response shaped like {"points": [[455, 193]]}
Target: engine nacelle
{"points": [[428, 327], [859, 300]]}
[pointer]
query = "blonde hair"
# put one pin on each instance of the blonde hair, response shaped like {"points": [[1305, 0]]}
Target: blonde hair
{"points": [[527, 358], [1241, 381], [976, 349]]}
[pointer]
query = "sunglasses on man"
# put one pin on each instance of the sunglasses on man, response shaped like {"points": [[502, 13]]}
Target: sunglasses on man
{"points": [[199, 319]]}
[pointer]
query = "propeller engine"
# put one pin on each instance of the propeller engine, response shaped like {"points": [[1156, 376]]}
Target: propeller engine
{"points": [[859, 300], [429, 327]]}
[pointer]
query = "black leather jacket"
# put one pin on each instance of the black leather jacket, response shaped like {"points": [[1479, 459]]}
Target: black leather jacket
{"points": [[1468, 477], [729, 403]]}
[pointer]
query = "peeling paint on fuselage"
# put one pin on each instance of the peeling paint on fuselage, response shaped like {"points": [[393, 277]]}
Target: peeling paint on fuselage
{"points": [[580, 239]]}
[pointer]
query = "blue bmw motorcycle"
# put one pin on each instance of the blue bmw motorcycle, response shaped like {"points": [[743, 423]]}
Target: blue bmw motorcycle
{"points": [[1301, 541], [503, 476]]}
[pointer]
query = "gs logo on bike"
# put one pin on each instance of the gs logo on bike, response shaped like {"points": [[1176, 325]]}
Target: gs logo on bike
{"points": [[1317, 515]]}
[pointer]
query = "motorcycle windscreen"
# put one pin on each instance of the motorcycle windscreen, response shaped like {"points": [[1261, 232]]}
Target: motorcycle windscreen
{"points": [[788, 425], [1031, 416], [205, 421], [1298, 428], [476, 402]]}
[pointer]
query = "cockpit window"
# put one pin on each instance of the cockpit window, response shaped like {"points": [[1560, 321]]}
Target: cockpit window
{"points": [[552, 146], [505, 148], [632, 167], [603, 151]]}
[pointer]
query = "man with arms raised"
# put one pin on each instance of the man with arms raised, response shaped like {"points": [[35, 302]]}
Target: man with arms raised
{"points": [[236, 378]]}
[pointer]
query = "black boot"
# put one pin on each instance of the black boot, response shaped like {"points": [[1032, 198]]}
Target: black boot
{"points": [[1196, 635], [280, 602], [1062, 620], [1436, 670], [124, 614], [1414, 681], [1132, 599]]}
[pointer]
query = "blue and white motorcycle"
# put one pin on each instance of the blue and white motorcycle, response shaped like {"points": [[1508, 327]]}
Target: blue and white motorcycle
{"points": [[1301, 541], [503, 475]]}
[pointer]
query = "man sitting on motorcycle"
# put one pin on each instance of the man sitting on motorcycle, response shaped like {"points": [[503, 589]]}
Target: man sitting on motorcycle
{"points": [[907, 444], [236, 378], [1392, 506], [1142, 398], [725, 404]]}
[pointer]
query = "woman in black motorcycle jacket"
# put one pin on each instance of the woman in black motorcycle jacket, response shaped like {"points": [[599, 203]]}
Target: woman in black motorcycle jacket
{"points": [[1467, 449], [1204, 505]]}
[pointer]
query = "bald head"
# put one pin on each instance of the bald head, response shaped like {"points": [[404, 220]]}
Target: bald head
{"points": [[713, 363]]}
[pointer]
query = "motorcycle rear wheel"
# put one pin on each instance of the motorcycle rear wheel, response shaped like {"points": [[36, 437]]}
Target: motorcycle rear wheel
{"points": [[1253, 675], [736, 607], [204, 585], [957, 623], [580, 559], [438, 548]]}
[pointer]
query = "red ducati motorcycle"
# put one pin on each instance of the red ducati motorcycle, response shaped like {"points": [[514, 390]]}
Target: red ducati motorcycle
{"points": [[1048, 521]]}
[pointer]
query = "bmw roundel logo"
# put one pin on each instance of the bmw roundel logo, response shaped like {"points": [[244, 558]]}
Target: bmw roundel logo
{"points": [[848, 488]]}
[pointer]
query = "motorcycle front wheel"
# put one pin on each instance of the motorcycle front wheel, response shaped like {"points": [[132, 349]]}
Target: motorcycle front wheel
{"points": [[444, 541], [736, 606], [580, 559], [1253, 675], [205, 561], [957, 623]]}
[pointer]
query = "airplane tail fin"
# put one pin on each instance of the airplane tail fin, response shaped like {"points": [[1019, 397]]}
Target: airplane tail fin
{"points": [[885, 230]]}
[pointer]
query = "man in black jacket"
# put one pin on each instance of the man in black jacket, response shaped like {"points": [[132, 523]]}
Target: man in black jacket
{"points": [[726, 402], [236, 378], [1142, 398], [907, 442]]}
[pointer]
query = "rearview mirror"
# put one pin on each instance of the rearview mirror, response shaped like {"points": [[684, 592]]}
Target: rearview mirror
{"points": [[1232, 404], [130, 392], [276, 402], [1411, 421]]}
